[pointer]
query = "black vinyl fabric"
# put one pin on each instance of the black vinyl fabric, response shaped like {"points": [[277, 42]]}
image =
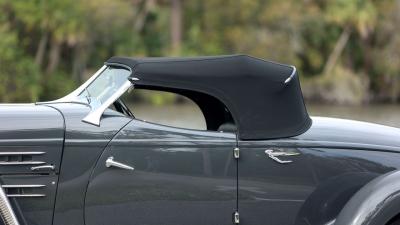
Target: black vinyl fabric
{"points": [[254, 90]]}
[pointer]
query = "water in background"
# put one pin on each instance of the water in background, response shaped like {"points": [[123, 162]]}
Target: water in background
{"points": [[382, 114], [189, 116]]}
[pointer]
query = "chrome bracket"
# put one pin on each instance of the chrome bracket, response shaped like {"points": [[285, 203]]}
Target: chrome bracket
{"points": [[236, 153], [236, 219]]}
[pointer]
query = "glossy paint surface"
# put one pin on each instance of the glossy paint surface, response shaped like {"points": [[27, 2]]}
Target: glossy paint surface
{"points": [[376, 203], [335, 159], [83, 145], [33, 210], [310, 190], [31, 128], [331, 132], [189, 177], [181, 177]]}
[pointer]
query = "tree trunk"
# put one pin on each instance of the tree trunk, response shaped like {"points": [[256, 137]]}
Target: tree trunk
{"points": [[176, 25], [41, 49], [337, 51], [367, 54], [141, 14], [394, 95], [79, 62], [368, 65], [54, 56]]}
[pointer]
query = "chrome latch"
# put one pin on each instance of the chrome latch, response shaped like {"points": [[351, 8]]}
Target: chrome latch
{"points": [[236, 153], [45, 167], [236, 219], [111, 163]]}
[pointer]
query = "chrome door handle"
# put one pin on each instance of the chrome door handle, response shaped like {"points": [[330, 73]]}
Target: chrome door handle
{"points": [[45, 167], [274, 155], [111, 163]]}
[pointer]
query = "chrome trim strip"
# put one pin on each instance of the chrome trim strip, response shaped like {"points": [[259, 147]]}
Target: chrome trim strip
{"points": [[31, 142], [21, 153], [94, 116], [26, 195], [291, 75], [332, 222], [320, 144], [6, 212], [2, 163], [23, 185]]}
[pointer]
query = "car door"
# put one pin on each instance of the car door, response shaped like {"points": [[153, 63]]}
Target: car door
{"points": [[163, 175], [274, 182]]}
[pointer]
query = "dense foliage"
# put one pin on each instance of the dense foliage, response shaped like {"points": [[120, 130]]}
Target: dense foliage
{"points": [[348, 51]]}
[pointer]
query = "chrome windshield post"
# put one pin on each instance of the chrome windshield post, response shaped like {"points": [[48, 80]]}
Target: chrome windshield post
{"points": [[95, 114]]}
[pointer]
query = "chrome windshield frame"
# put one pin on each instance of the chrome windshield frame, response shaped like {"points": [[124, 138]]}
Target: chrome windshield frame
{"points": [[95, 114], [73, 96]]}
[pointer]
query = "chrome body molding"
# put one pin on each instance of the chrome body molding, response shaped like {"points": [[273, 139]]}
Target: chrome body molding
{"points": [[6, 212], [291, 75], [26, 195], [23, 185], [21, 193], [332, 222], [2, 163], [21, 153]]}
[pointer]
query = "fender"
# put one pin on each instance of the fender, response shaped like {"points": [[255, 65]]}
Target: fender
{"points": [[374, 204], [328, 199]]}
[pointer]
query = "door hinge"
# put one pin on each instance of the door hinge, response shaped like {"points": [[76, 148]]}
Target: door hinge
{"points": [[236, 218], [236, 153]]}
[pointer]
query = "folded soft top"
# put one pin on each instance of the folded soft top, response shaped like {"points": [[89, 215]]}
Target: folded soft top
{"points": [[264, 97]]}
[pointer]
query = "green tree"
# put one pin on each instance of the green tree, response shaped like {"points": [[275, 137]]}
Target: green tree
{"points": [[19, 76], [350, 15]]}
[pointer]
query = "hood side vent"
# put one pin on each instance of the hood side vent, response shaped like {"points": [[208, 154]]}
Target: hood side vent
{"points": [[19, 158], [23, 190]]}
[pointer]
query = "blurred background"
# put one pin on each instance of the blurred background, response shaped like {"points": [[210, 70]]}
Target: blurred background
{"points": [[347, 51]]}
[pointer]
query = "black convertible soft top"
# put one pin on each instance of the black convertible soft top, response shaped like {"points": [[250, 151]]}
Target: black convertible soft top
{"points": [[264, 98]]}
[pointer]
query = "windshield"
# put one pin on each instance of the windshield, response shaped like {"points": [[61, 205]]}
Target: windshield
{"points": [[105, 85]]}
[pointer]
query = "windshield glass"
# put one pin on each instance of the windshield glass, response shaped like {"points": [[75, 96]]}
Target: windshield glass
{"points": [[106, 84]]}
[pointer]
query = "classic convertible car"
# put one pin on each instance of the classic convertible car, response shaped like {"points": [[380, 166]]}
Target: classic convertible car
{"points": [[86, 159]]}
